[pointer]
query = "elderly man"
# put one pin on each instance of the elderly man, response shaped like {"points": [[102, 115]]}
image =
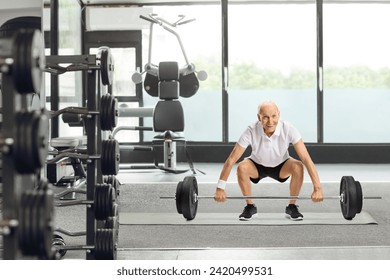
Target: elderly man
{"points": [[270, 138]]}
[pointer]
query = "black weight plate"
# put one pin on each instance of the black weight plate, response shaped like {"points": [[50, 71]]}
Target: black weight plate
{"points": [[110, 157], [359, 197], [103, 114], [23, 149], [104, 199], [107, 66], [151, 85], [108, 112], [24, 223], [28, 61], [113, 112], [31, 141], [349, 205], [46, 226], [178, 196], [35, 223], [40, 139], [104, 158], [99, 203], [18, 71], [189, 85], [105, 245], [189, 202]]}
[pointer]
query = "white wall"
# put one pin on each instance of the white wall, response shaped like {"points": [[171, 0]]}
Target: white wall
{"points": [[122, 18], [16, 8]]}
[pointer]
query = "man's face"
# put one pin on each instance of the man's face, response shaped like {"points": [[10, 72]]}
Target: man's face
{"points": [[269, 117]]}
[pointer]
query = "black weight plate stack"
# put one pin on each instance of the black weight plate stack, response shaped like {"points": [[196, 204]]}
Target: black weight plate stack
{"points": [[113, 181], [112, 222], [349, 201], [108, 112], [36, 218], [30, 150], [110, 157], [189, 201], [103, 201], [105, 245], [24, 230]]}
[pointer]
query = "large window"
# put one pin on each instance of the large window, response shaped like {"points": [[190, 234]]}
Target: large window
{"points": [[356, 73], [70, 84], [272, 56], [202, 43]]}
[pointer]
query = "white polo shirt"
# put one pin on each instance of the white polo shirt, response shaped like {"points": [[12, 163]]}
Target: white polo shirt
{"points": [[269, 151]]}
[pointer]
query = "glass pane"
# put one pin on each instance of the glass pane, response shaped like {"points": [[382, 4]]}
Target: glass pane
{"points": [[201, 40], [124, 62], [272, 56], [356, 73], [126, 135]]}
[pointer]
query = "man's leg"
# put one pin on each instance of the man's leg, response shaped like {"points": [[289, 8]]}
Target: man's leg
{"points": [[246, 169], [295, 169]]}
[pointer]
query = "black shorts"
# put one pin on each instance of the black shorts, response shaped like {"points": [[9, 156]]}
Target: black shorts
{"points": [[272, 172]]}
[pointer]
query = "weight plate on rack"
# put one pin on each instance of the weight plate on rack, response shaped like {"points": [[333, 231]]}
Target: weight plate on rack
{"points": [[107, 65], [28, 61]]}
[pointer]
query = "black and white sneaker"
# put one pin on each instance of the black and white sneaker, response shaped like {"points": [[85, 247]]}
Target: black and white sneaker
{"points": [[293, 213], [250, 211]]}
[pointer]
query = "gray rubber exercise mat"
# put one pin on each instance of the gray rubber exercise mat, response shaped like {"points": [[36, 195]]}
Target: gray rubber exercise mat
{"points": [[262, 219]]}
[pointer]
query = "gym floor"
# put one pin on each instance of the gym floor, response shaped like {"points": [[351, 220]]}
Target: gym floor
{"points": [[141, 188]]}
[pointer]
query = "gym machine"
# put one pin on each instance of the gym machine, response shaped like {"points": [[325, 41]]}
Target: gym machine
{"points": [[101, 156], [167, 82]]}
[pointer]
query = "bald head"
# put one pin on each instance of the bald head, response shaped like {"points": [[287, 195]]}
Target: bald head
{"points": [[268, 105], [268, 115]]}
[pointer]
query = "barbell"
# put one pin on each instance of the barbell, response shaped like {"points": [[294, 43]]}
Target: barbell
{"points": [[110, 156], [105, 247], [351, 197], [108, 112], [103, 202]]}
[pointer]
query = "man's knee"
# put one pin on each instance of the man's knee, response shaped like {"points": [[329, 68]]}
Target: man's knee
{"points": [[297, 168], [244, 169]]}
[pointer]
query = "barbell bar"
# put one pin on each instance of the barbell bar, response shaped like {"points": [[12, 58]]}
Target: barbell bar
{"points": [[108, 112], [105, 247], [351, 197]]}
